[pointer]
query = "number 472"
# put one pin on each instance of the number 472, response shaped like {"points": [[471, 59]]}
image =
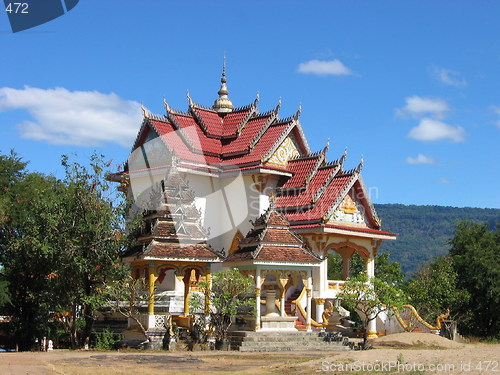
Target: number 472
{"points": [[17, 8]]}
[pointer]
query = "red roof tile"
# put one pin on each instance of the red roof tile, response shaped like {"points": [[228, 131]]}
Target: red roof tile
{"points": [[248, 133], [305, 197], [177, 251], [301, 168], [233, 120], [321, 207], [212, 121]]}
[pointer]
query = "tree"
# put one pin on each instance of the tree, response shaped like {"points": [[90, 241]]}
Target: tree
{"points": [[434, 289], [475, 251], [223, 298], [126, 296], [370, 297], [384, 269], [59, 246], [89, 241]]}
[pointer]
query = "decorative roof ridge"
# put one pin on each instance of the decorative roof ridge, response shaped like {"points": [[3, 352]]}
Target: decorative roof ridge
{"points": [[337, 161], [256, 252], [373, 212], [198, 119], [302, 136], [246, 107], [145, 121], [292, 117], [253, 110], [270, 112], [329, 179], [177, 127], [279, 140], [272, 118], [340, 196], [356, 169], [314, 169]]}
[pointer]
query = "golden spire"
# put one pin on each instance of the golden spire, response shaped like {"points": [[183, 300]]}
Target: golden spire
{"points": [[223, 104]]}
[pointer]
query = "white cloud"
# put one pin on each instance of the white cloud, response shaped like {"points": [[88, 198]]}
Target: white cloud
{"points": [[449, 77], [417, 106], [81, 118], [496, 109], [420, 159], [324, 68], [433, 130], [444, 180]]}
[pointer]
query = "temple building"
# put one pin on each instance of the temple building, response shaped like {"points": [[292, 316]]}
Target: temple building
{"points": [[226, 187]]}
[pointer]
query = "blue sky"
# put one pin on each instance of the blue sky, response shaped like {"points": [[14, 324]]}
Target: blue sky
{"points": [[413, 86]]}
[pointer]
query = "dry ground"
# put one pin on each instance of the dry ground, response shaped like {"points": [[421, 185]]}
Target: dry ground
{"points": [[417, 353]]}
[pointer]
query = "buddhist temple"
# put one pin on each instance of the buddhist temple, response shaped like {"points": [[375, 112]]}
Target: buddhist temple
{"points": [[235, 187]]}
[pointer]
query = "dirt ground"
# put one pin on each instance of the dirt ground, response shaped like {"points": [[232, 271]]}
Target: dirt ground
{"points": [[399, 354]]}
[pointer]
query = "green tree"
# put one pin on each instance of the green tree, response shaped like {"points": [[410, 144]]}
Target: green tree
{"points": [[4, 293], [475, 251], [59, 246], [369, 297], [126, 296], [384, 269], [29, 255], [225, 296], [434, 289], [89, 240]]}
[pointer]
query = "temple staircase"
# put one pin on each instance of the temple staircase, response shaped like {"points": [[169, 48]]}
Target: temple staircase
{"points": [[247, 341]]}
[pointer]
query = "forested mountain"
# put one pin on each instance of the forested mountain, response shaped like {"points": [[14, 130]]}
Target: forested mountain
{"points": [[423, 231]]}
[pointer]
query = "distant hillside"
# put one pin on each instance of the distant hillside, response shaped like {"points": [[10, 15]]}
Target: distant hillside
{"points": [[423, 231]]}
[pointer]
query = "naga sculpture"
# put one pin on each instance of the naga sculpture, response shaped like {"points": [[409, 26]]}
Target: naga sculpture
{"points": [[408, 327]]}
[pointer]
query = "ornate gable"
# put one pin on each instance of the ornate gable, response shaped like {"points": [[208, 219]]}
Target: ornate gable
{"points": [[350, 211], [286, 151]]}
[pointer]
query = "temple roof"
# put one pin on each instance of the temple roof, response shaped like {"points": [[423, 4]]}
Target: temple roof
{"points": [[172, 224], [202, 136], [271, 240], [312, 189]]}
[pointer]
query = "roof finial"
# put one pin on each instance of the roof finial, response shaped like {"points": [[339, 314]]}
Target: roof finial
{"points": [[327, 146], [191, 104], [257, 98], [223, 104], [297, 114], [167, 107], [360, 165]]}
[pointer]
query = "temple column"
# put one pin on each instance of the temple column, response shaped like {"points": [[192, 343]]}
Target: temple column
{"points": [[207, 296], [371, 330], [282, 303], [309, 298], [320, 308], [370, 265], [151, 297], [346, 260], [257, 299], [186, 280]]}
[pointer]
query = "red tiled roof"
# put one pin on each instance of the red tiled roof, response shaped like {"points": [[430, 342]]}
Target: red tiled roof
{"points": [[212, 121], [198, 138], [326, 200], [272, 218], [262, 147], [233, 120], [305, 197], [247, 135], [176, 251], [342, 227], [285, 254], [301, 168]]}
